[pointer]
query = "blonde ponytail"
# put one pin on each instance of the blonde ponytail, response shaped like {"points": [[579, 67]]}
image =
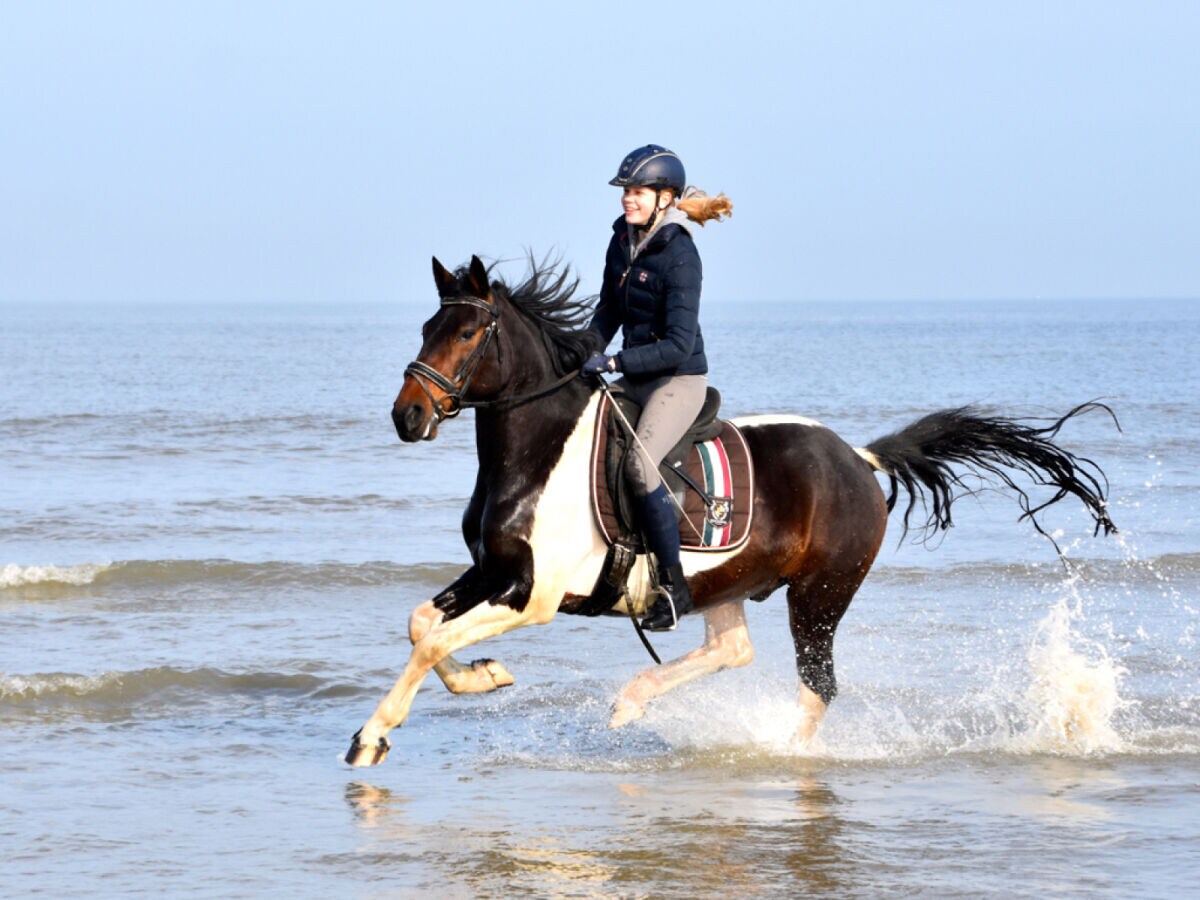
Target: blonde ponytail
{"points": [[701, 208]]}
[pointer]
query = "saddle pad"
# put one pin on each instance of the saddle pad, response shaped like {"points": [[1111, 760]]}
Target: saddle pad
{"points": [[722, 467]]}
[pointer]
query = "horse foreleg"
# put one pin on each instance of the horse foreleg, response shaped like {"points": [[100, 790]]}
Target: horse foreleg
{"points": [[480, 676], [370, 745], [726, 646]]}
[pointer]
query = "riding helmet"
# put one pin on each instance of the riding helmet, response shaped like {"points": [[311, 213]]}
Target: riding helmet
{"points": [[651, 166]]}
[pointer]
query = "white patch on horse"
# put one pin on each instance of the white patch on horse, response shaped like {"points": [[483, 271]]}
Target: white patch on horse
{"points": [[568, 549], [702, 562], [758, 421], [872, 460]]}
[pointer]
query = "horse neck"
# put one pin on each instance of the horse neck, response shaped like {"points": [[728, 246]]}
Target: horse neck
{"points": [[510, 439], [525, 361], [520, 434]]}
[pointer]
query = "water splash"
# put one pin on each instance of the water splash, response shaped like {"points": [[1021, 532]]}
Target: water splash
{"points": [[1075, 691]]}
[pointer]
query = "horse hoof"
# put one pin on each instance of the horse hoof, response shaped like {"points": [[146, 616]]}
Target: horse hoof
{"points": [[494, 671], [362, 755], [624, 712]]}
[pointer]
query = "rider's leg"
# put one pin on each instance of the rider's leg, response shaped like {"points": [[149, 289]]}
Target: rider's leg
{"points": [[669, 406]]}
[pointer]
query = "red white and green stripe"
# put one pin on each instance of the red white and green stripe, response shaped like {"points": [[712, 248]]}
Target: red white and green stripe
{"points": [[718, 482]]}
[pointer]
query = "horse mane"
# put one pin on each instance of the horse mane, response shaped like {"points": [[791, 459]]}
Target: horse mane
{"points": [[546, 299]]}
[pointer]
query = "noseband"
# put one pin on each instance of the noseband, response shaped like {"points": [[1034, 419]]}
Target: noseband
{"points": [[454, 388]]}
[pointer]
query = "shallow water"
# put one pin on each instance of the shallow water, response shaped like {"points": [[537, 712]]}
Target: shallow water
{"points": [[211, 542]]}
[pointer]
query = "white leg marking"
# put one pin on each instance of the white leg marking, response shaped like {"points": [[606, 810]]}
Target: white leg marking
{"points": [[812, 711], [480, 676], [726, 646], [478, 624]]}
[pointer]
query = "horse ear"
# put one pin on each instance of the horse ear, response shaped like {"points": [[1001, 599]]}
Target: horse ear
{"points": [[443, 278], [477, 279]]}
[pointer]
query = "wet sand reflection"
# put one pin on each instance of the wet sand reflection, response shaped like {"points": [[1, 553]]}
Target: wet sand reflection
{"points": [[684, 834]]}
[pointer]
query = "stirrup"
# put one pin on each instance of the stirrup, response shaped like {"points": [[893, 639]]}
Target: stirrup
{"points": [[674, 601], [660, 618]]}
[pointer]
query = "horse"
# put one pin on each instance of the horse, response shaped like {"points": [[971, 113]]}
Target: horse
{"points": [[819, 511]]}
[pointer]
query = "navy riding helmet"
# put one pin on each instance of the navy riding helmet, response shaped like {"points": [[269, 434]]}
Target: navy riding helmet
{"points": [[651, 166]]}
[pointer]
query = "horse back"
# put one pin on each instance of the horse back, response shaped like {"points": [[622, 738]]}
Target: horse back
{"points": [[817, 501]]}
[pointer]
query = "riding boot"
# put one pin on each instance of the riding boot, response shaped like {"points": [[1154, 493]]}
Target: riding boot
{"points": [[661, 529], [674, 600]]}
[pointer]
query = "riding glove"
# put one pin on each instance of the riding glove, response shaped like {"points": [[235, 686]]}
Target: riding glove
{"points": [[599, 364]]}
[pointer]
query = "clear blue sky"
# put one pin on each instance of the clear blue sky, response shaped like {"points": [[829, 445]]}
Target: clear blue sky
{"points": [[163, 151]]}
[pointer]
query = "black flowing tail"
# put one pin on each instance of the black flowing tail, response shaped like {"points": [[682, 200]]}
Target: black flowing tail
{"points": [[992, 448]]}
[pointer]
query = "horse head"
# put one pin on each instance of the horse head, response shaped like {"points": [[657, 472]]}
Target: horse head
{"points": [[454, 357]]}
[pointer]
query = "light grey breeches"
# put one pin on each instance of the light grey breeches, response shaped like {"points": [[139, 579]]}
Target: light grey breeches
{"points": [[669, 405]]}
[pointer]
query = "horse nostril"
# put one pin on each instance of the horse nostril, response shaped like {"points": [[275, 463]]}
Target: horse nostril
{"points": [[413, 417], [401, 419]]}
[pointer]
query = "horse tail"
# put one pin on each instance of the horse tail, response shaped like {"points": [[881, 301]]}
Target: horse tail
{"points": [[921, 458]]}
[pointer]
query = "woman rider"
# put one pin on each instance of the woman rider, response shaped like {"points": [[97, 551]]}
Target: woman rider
{"points": [[651, 291]]}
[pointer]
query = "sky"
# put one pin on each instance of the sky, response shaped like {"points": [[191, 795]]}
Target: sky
{"points": [[298, 152]]}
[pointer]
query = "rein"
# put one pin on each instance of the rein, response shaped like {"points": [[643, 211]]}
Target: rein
{"points": [[454, 389]]}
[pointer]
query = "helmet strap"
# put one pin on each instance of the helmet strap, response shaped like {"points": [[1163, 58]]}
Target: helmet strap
{"points": [[659, 209]]}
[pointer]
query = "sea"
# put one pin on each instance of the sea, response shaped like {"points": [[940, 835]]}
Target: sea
{"points": [[211, 540]]}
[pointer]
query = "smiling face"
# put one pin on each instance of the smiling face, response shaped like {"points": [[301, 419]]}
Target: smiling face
{"points": [[638, 203]]}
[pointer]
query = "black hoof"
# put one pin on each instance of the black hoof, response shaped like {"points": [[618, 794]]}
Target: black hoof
{"points": [[361, 755]]}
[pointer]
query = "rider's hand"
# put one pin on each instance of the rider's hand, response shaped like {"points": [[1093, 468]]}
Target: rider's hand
{"points": [[598, 364]]}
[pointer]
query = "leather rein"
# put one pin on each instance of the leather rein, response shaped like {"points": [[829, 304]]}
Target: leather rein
{"points": [[454, 389]]}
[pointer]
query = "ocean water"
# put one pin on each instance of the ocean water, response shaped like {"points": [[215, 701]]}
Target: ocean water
{"points": [[211, 539]]}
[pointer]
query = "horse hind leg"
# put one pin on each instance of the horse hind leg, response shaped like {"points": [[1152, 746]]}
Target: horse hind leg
{"points": [[726, 646], [816, 604], [477, 677]]}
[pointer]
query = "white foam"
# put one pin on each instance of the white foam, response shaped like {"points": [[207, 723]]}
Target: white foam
{"points": [[13, 575], [1062, 695], [1074, 692], [24, 687]]}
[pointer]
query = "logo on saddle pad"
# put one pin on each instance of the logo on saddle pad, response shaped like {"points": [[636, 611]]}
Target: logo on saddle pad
{"points": [[713, 479], [720, 512]]}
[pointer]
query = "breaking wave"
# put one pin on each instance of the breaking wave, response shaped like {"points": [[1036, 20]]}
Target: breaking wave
{"points": [[12, 576], [51, 581], [155, 692]]}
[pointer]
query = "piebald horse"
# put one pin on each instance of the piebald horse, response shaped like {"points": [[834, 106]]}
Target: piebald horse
{"points": [[819, 513]]}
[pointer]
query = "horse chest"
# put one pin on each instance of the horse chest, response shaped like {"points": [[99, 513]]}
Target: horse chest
{"points": [[566, 546], [529, 523]]}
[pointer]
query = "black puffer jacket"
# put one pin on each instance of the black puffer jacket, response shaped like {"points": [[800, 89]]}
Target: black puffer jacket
{"points": [[655, 301]]}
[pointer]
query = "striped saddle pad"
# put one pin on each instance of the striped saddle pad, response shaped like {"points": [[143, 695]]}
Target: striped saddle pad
{"points": [[720, 466]]}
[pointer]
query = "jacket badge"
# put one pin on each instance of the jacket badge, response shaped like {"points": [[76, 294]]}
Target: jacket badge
{"points": [[641, 276]]}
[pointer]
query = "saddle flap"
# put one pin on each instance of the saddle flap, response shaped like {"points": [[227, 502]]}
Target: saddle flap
{"points": [[713, 457]]}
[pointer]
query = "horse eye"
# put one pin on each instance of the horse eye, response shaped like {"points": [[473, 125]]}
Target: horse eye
{"points": [[466, 335]]}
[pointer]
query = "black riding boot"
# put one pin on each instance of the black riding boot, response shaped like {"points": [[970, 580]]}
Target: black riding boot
{"points": [[674, 600], [662, 534]]}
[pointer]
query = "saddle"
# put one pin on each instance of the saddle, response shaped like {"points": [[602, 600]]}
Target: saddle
{"points": [[709, 471], [710, 474]]}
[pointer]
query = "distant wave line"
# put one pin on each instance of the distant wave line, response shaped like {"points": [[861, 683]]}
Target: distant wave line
{"points": [[56, 580], [164, 573], [119, 694]]}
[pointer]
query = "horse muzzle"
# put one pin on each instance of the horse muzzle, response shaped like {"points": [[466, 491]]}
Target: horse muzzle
{"points": [[413, 423]]}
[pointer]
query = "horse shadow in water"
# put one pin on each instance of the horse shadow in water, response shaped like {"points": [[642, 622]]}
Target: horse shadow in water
{"points": [[511, 353]]}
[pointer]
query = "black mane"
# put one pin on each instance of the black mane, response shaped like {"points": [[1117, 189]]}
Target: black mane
{"points": [[546, 299]]}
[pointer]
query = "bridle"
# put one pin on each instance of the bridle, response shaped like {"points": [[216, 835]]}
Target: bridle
{"points": [[454, 389]]}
